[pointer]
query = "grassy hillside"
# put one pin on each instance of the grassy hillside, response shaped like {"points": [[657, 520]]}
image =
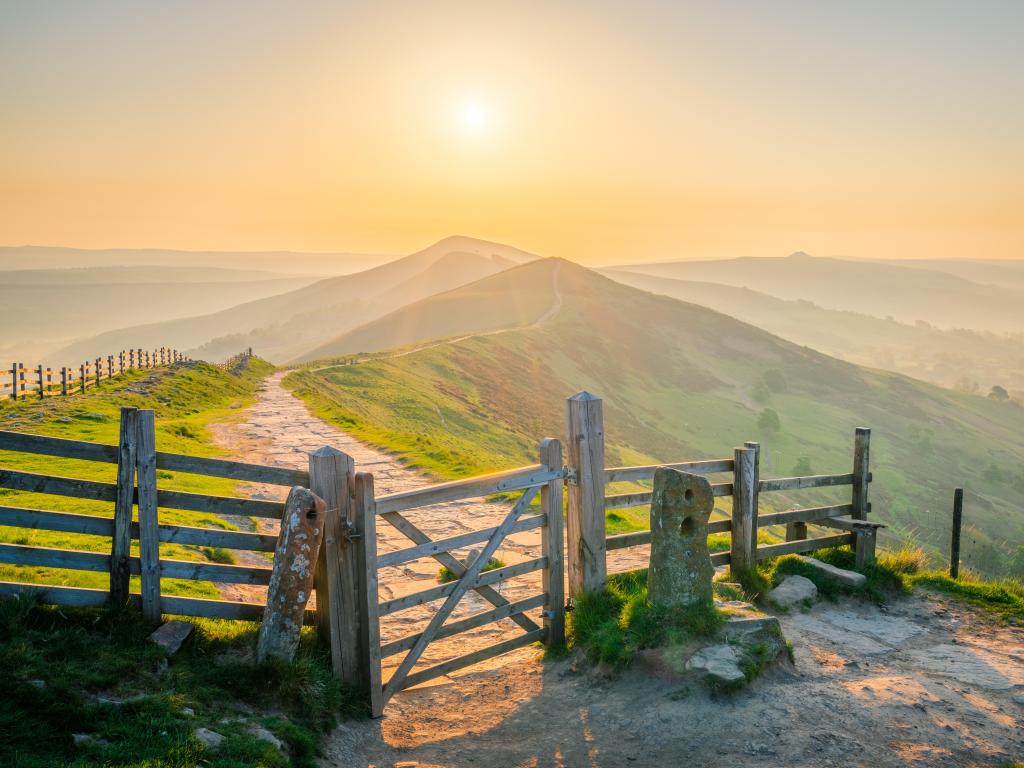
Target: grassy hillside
{"points": [[961, 358], [186, 398], [282, 327], [869, 287], [683, 382]]}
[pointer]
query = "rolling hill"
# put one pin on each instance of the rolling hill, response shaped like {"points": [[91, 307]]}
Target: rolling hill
{"points": [[46, 309], [284, 326], [882, 289], [961, 358], [680, 381]]}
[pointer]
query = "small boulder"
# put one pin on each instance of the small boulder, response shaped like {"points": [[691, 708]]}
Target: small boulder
{"points": [[263, 734], [794, 590], [171, 634], [718, 662], [209, 739], [842, 576]]}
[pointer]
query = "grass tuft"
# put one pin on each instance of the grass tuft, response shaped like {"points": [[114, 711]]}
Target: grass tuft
{"points": [[445, 574]]}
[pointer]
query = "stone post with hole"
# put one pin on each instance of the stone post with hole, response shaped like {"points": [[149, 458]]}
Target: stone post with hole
{"points": [[680, 570]]}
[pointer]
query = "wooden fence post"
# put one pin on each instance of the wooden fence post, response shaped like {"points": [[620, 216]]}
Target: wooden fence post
{"points": [[588, 569], [39, 377], [743, 556], [82, 379], [149, 532], [110, 366], [14, 381], [954, 545], [64, 380], [337, 578], [369, 624], [861, 473], [121, 542], [99, 369], [552, 538]]}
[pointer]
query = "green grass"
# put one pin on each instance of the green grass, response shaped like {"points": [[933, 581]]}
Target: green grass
{"points": [[187, 398], [1003, 598], [610, 626], [59, 664], [445, 574]]}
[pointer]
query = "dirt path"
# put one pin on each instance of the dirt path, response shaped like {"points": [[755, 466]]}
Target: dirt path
{"points": [[918, 683]]}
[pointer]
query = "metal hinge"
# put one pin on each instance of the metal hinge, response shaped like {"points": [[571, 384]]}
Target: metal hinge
{"points": [[571, 477], [348, 531]]}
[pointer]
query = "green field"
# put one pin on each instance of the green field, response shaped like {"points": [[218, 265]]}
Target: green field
{"points": [[683, 382], [185, 398]]}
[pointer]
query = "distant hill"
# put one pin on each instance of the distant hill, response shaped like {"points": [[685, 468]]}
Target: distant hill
{"points": [[682, 381], [1004, 272], [282, 327], [50, 257], [46, 309], [882, 289], [945, 357]]}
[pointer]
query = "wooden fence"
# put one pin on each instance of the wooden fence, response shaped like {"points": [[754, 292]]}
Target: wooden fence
{"points": [[348, 609], [19, 382]]}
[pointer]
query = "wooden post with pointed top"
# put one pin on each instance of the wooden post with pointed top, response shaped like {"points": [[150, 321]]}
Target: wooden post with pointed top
{"points": [[743, 556], [588, 569], [337, 578]]}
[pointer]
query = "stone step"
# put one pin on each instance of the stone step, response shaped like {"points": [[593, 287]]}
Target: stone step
{"points": [[844, 577]]}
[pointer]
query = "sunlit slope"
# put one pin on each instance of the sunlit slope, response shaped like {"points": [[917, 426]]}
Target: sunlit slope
{"points": [[946, 357], [283, 326], [511, 299], [870, 287], [680, 381]]}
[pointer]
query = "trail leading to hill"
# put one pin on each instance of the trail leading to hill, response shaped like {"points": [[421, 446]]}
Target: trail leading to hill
{"points": [[920, 683]]}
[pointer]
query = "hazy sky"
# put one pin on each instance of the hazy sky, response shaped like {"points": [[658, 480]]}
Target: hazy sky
{"points": [[600, 132]]}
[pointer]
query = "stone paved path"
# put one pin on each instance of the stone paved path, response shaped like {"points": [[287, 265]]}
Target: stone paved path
{"points": [[279, 430]]}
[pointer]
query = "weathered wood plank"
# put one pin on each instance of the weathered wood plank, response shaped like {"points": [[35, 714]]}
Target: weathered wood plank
{"points": [[45, 520], [57, 486], [485, 485], [121, 536], [639, 538], [585, 521], [453, 564], [624, 500], [435, 547], [52, 557], [330, 477], [804, 545], [744, 511], [437, 593], [646, 472], [149, 537], [812, 481], [463, 625], [861, 477], [369, 638], [471, 658], [461, 587], [552, 542], [807, 515]]}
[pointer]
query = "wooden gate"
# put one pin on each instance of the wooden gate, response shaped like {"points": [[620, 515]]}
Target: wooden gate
{"points": [[544, 480]]}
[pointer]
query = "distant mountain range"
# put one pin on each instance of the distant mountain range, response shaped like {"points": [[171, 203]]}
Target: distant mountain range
{"points": [[906, 291]]}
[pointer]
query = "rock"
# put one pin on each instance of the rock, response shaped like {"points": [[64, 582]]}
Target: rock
{"points": [[171, 634], [40, 684], [1019, 699], [263, 734], [188, 712], [680, 569], [794, 590], [81, 739], [291, 581], [844, 577], [718, 662], [210, 739]]}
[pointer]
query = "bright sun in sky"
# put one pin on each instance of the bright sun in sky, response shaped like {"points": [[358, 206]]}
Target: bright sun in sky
{"points": [[472, 116]]}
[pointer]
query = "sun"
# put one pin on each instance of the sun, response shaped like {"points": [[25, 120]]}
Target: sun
{"points": [[472, 116]]}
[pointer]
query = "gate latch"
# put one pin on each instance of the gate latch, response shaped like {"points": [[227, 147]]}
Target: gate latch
{"points": [[349, 532]]}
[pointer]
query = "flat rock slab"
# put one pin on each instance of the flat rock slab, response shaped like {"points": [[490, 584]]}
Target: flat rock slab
{"points": [[843, 639], [718, 662], [892, 630], [844, 577], [972, 666], [171, 634], [792, 591]]}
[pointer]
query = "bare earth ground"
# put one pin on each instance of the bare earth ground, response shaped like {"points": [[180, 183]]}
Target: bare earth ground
{"points": [[920, 682]]}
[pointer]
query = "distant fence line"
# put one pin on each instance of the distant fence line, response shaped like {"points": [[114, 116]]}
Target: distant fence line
{"points": [[42, 382]]}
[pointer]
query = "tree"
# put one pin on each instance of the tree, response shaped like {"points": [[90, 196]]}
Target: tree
{"points": [[769, 421], [802, 468], [761, 393], [774, 380], [999, 393]]}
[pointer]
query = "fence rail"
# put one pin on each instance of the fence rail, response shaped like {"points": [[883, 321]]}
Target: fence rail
{"points": [[19, 383]]}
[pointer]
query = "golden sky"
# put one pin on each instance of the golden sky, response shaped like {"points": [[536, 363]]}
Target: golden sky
{"points": [[601, 132]]}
